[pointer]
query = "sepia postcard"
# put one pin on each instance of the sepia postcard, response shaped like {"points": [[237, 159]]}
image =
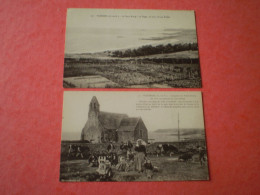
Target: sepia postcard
{"points": [[133, 136], [121, 48]]}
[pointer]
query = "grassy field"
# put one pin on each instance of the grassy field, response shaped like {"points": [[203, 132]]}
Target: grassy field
{"points": [[169, 169], [89, 82], [128, 75], [178, 70]]}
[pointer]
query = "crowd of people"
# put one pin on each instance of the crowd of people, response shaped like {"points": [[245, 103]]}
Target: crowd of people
{"points": [[130, 157]]}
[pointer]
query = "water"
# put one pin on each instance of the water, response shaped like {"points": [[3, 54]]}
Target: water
{"points": [[170, 137], [97, 40], [162, 137]]}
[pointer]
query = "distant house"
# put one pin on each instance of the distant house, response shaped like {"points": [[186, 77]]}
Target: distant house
{"points": [[103, 127]]}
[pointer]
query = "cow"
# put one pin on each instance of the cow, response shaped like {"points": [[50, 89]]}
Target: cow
{"points": [[185, 157], [169, 149]]}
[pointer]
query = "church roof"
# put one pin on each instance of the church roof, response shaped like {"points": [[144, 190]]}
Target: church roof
{"points": [[110, 120], [128, 124]]}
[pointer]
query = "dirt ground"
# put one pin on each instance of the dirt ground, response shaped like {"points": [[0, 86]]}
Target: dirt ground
{"points": [[169, 169]]}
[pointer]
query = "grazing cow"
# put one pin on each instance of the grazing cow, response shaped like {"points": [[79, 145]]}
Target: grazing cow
{"points": [[169, 149], [185, 157]]}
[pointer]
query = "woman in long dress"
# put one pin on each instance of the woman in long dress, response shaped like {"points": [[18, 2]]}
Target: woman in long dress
{"points": [[140, 154]]}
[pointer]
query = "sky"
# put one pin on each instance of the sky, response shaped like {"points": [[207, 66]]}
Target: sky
{"points": [[95, 30], [76, 105]]}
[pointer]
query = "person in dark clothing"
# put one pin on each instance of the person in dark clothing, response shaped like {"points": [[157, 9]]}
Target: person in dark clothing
{"points": [[123, 148], [93, 161], [110, 148], [140, 155], [129, 147], [140, 148], [114, 160], [148, 168], [71, 151], [79, 153]]}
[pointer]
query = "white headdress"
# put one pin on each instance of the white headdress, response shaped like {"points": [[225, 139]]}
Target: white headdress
{"points": [[142, 142]]}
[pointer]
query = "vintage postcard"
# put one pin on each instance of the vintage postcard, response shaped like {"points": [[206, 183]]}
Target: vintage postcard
{"points": [[133, 136], [120, 48]]}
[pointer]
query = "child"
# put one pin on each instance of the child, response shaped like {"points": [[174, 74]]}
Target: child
{"points": [[122, 165], [114, 160], [93, 161], [148, 168]]}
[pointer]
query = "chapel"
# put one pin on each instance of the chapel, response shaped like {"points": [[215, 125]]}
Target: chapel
{"points": [[102, 127]]}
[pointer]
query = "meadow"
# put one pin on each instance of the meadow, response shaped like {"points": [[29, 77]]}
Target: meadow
{"points": [[131, 73], [169, 169]]}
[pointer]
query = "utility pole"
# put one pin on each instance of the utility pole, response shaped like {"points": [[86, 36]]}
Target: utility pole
{"points": [[178, 132]]}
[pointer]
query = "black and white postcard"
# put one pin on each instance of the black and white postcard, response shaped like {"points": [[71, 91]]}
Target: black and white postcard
{"points": [[133, 136], [120, 48]]}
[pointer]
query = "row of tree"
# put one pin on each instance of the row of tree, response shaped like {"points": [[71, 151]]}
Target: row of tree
{"points": [[159, 49]]}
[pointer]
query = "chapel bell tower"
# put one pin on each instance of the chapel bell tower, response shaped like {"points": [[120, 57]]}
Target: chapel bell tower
{"points": [[93, 107]]}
